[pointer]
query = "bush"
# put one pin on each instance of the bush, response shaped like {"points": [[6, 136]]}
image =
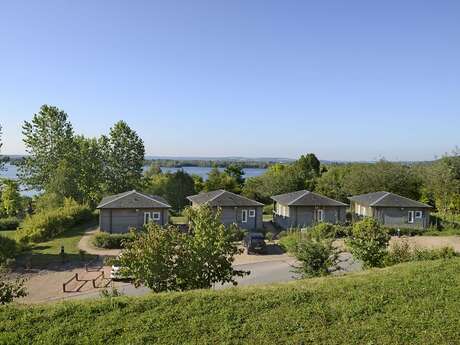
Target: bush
{"points": [[237, 233], [402, 252], [8, 249], [47, 224], [368, 242], [316, 257], [281, 234], [405, 231], [112, 241], [323, 231], [289, 241], [10, 223]]}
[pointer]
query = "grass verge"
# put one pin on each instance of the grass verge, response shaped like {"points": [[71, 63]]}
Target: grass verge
{"points": [[413, 303]]}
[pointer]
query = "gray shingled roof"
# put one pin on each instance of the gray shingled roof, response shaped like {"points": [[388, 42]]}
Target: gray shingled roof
{"points": [[222, 198], [305, 198], [133, 199], [386, 199]]}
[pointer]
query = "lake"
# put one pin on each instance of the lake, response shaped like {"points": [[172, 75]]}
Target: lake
{"points": [[10, 171]]}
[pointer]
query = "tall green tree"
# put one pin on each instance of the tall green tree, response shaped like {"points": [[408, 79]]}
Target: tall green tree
{"points": [[49, 140], [10, 198], [237, 172], [221, 180], [124, 154], [178, 187]]}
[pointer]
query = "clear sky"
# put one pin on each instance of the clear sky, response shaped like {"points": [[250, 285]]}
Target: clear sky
{"points": [[348, 80]]}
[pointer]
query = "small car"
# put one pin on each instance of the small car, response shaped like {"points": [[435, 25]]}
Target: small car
{"points": [[254, 242], [115, 273]]}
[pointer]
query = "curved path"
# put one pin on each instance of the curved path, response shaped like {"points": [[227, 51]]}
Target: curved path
{"points": [[86, 245]]}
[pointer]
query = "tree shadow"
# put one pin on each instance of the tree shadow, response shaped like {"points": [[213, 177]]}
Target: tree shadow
{"points": [[273, 249]]}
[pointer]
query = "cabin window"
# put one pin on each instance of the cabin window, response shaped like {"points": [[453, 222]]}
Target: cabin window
{"points": [[410, 216], [244, 216], [146, 217], [252, 213], [418, 214], [358, 209], [156, 215], [319, 215]]}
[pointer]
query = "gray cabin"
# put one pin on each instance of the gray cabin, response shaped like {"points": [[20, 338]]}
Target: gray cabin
{"points": [[391, 210], [133, 209], [304, 208], [234, 208]]}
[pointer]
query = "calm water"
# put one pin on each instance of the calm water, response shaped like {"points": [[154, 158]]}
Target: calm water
{"points": [[10, 171]]}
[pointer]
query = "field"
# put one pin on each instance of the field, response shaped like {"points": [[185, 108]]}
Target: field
{"points": [[414, 303]]}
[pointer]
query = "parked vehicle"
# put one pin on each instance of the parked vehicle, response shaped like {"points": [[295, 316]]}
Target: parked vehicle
{"points": [[115, 273], [254, 242]]}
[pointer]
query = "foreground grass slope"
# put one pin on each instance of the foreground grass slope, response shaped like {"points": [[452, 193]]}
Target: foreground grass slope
{"points": [[416, 303]]}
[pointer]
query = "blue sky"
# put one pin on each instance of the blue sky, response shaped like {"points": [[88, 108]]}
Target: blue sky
{"points": [[348, 80]]}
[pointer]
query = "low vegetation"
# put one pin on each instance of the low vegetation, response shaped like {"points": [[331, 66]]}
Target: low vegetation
{"points": [[10, 223], [47, 224], [414, 303], [112, 241], [8, 249]]}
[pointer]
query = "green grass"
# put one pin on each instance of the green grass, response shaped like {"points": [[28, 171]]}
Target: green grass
{"points": [[443, 232], [415, 303], [45, 253]]}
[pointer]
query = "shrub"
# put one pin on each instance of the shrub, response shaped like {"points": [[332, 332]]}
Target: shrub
{"points": [[289, 242], [47, 224], [269, 236], [8, 249], [323, 231], [10, 223], [405, 231], [368, 242], [237, 233], [281, 234], [112, 241], [402, 252], [316, 257]]}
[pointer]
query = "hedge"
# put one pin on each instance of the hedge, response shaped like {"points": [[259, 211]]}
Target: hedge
{"points": [[112, 241], [47, 224]]}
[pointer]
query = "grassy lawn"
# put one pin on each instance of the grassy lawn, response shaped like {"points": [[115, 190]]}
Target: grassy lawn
{"points": [[444, 232], [44, 253], [414, 303]]}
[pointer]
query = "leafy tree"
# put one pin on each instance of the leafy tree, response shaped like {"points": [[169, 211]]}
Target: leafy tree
{"points": [[198, 183], [89, 166], [10, 289], [152, 170], [10, 198], [49, 140], [220, 180], [237, 172], [369, 242], [179, 185], [124, 154], [168, 260]]}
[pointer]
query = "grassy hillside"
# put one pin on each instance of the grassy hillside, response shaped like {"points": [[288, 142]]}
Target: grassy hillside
{"points": [[417, 303]]}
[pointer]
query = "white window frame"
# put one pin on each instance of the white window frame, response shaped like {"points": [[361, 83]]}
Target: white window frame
{"points": [[244, 216], [252, 213], [358, 209], [147, 217], [156, 216], [410, 217], [319, 215], [418, 214]]}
